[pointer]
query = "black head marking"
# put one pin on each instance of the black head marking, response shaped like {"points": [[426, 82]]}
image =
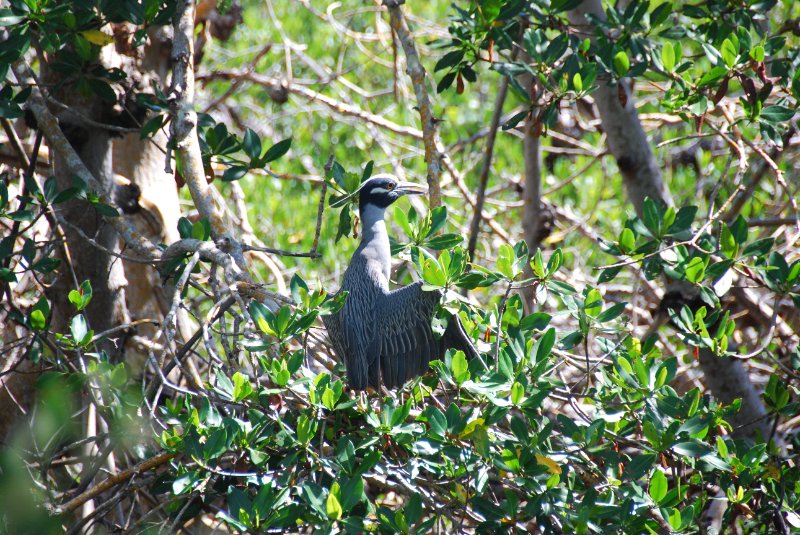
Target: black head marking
{"points": [[380, 190]]}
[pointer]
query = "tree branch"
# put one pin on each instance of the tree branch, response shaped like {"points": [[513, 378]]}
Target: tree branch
{"points": [[58, 142], [275, 85], [183, 126], [486, 167], [417, 73], [113, 481]]}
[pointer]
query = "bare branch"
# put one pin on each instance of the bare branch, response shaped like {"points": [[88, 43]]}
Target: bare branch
{"points": [[275, 85], [417, 73], [480, 198], [113, 481]]}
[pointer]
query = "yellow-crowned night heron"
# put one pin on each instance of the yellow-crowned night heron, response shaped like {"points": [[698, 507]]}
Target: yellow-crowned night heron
{"points": [[385, 336]]}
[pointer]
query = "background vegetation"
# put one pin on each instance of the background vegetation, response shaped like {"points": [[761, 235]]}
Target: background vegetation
{"points": [[613, 215]]}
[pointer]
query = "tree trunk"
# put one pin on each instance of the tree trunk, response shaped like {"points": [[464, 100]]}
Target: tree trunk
{"points": [[157, 210], [626, 138], [726, 378], [88, 262], [532, 207]]}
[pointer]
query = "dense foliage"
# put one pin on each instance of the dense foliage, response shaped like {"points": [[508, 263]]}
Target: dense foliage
{"points": [[587, 411]]}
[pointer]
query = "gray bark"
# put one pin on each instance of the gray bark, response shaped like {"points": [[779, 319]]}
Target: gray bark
{"points": [[626, 138], [103, 270]]}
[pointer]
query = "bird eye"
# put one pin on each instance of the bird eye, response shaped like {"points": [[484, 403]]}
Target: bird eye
{"points": [[390, 186]]}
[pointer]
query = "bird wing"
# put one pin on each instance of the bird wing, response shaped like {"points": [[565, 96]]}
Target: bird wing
{"points": [[404, 341], [351, 331]]}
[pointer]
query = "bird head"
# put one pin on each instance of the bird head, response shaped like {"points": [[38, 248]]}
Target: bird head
{"points": [[382, 190]]}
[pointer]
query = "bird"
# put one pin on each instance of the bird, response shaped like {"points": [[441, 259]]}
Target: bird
{"points": [[384, 336]]}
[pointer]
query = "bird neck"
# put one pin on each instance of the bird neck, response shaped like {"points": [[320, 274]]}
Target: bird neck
{"points": [[373, 223], [374, 236]]}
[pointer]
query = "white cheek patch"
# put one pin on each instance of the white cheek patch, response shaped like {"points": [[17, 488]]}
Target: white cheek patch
{"points": [[380, 190]]}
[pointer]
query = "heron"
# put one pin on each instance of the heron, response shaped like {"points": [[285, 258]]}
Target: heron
{"points": [[384, 336]]}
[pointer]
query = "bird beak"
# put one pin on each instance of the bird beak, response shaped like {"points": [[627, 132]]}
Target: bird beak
{"points": [[411, 188]]}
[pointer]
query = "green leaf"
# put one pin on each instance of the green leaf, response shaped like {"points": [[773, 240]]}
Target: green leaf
{"points": [[627, 241], [674, 518], [37, 320], [776, 114], [593, 303], [727, 243], [305, 429], [716, 73], [668, 57], [224, 385], [545, 344], [555, 262], [505, 261], [251, 144], [691, 449], [151, 126], [80, 330], [577, 82], [490, 9], [105, 209], [401, 219], [571, 340], [433, 274], [611, 312], [609, 274], [536, 321], [450, 59], [184, 228], [345, 223], [332, 506], [234, 173], [443, 241], [241, 386], [80, 298], [438, 217], [759, 247], [695, 270], [459, 367], [728, 52], [621, 63], [276, 151], [658, 486], [8, 18], [216, 444], [517, 393], [201, 230], [437, 421]]}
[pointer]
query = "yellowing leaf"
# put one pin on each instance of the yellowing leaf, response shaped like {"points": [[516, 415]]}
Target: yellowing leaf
{"points": [[548, 463], [264, 326], [461, 493], [96, 37], [332, 506], [471, 426]]}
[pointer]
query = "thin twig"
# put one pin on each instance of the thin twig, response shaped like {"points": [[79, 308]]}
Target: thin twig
{"points": [[313, 96], [234, 86]]}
